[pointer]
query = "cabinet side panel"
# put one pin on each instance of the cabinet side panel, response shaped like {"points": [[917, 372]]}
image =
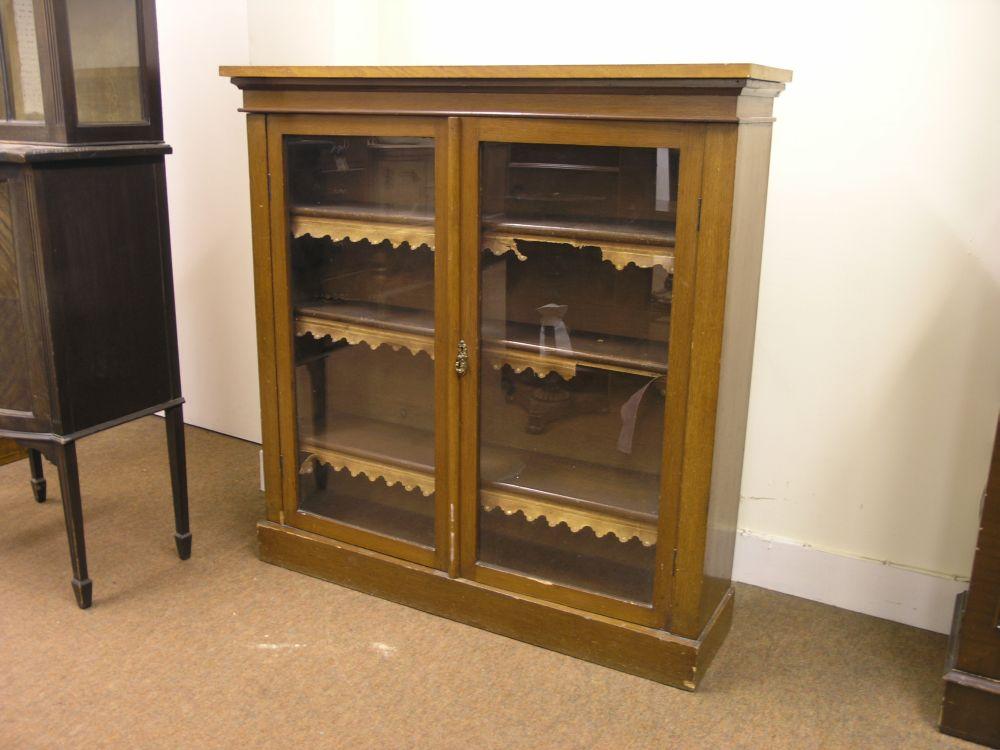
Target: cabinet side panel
{"points": [[739, 326], [109, 297], [15, 390], [711, 270], [260, 207]]}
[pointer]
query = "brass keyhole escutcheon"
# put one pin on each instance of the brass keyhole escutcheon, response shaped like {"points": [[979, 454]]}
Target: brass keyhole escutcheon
{"points": [[462, 360]]}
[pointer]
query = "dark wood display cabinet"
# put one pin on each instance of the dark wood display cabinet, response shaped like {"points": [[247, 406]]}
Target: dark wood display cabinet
{"points": [[88, 339], [506, 321]]}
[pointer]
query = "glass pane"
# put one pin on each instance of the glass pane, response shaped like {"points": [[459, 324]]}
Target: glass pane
{"points": [[104, 43], [361, 215], [576, 272], [24, 73]]}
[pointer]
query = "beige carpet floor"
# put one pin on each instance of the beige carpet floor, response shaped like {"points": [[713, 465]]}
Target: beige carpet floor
{"points": [[223, 651]]}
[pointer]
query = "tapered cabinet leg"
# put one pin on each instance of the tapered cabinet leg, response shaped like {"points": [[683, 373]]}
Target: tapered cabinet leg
{"points": [[37, 475], [69, 482], [178, 480]]}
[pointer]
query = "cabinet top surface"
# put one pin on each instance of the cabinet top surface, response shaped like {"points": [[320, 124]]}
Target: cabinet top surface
{"points": [[603, 72]]}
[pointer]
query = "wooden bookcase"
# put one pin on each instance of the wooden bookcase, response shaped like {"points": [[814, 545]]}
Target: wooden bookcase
{"points": [[505, 327]]}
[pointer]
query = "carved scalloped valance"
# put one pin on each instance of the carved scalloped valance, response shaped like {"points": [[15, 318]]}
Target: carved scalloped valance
{"points": [[413, 235], [372, 469], [619, 254], [510, 503], [575, 518], [359, 333], [540, 364]]}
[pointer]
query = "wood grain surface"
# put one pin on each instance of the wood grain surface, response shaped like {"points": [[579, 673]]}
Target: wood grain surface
{"points": [[718, 70]]}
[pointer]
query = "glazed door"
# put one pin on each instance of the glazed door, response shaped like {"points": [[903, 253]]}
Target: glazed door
{"points": [[361, 265], [578, 260]]}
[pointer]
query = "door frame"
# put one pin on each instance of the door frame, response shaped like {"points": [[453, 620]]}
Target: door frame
{"points": [[689, 138], [446, 328]]}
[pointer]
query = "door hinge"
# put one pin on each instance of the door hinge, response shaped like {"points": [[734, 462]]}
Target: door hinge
{"points": [[698, 227], [673, 564]]}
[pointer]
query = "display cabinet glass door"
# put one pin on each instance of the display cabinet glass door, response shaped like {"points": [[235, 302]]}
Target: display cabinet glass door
{"points": [[577, 237], [361, 250], [107, 74], [20, 67]]}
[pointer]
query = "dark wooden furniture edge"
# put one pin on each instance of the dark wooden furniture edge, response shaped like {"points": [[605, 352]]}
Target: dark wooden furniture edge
{"points": [[653, 654], [49, 437], [971, 705], [31, 153], [971, 708]]}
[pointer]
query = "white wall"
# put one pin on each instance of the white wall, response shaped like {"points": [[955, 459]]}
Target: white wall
{"points": [[208, 192], [877, 373]]}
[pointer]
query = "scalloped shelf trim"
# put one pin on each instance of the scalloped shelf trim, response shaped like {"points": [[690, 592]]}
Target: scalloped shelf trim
{"points": [[339, 230], [537, 363], [357, 333], [371, 469], [575, 519], [542, 365], [619, 254]]}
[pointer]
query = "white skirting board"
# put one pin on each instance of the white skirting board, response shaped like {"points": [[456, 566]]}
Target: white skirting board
{"points": [[884, 590]]}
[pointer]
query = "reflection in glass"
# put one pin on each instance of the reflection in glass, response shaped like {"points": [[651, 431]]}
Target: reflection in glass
{"points": [[23, 79], [576, 282], [104, 44], [362, 265]]}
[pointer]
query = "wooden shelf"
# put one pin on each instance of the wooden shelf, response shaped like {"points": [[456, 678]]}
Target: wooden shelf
{"points": [[519, 348], [396, 327], [563, 167], [365, 323], [513, 545], [581, 495], [401, 515], [652, 233], [357, 212], [644, 244], [393, 453], [357, 223]]}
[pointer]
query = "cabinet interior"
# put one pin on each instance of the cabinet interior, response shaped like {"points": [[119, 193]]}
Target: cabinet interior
{"points": [[576, 272]]}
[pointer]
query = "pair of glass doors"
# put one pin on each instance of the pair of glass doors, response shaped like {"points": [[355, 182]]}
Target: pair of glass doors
{"points": [[478, 317]]}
